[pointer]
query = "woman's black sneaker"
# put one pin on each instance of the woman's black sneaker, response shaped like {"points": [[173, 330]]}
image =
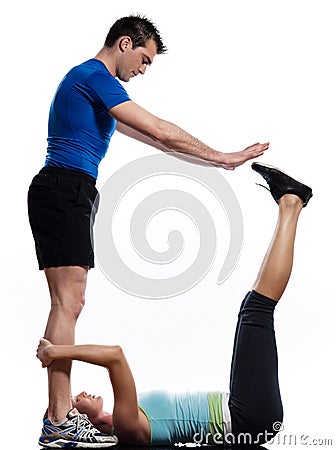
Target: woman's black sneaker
{"points": [[280, 183]]}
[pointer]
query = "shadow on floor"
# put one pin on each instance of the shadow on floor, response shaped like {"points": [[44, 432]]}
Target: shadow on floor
{"points": [[176, 447]]}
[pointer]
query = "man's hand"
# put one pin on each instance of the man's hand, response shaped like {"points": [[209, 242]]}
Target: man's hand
{"points": [[235, 159]]}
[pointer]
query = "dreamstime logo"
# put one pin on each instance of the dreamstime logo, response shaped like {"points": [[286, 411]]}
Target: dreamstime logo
{"points": [[242, 438], [273, 436], [129, 179]]}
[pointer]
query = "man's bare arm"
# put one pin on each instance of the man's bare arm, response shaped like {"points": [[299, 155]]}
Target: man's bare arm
{"points": [[130, 132], [136, 122]]}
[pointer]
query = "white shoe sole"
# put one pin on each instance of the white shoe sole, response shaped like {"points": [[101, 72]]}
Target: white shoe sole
{"points": [[64, 443]]}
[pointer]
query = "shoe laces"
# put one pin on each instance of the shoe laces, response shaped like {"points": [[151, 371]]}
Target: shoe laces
{"points": [[82, 421], [258, 184]]}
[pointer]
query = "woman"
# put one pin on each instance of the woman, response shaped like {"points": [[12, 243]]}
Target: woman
{"points": [[252, 412]]}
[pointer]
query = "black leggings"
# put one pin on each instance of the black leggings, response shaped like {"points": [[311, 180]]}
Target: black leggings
{"points": [[255, 402]]}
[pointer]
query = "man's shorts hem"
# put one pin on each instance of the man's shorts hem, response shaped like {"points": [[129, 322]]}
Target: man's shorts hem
{"points": [[62, 264]]}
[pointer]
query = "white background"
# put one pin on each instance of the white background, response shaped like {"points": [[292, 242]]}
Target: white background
{"points": [[237, 72]]}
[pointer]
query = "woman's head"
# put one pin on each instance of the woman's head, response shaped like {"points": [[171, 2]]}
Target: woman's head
{"points": [[88, 404]]}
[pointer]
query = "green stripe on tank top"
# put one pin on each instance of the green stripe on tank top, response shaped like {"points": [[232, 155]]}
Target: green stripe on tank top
{"points": [[215, 414]]}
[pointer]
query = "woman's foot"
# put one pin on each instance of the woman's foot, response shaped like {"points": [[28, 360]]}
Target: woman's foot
{"points": [[280, 183], [42, 352]]}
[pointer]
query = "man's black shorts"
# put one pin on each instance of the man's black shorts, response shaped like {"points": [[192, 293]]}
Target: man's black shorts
{"points": [[62, 205]]}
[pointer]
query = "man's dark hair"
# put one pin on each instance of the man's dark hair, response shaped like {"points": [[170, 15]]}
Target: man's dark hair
{"points": [[139, 29]]}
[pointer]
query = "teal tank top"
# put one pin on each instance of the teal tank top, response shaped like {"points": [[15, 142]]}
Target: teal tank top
{"points": [[185, 417]]}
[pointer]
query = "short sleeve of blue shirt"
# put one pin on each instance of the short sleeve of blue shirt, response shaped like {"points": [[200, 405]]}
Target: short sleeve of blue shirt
{"points": [[108, 90], [80, 126]]}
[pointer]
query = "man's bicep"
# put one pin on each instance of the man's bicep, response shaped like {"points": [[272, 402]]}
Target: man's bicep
{"points": [[137, 118]]}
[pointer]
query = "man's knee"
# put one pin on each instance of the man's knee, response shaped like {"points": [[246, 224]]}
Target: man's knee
{"points": [[69, 305], [76, 306], [67, 289]]}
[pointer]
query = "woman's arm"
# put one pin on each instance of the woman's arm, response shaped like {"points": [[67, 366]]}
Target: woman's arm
{"points": [[100, 355], [130, 424]]}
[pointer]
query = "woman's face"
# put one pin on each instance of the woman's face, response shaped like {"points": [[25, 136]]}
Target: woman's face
{"points": [[88, 404]]}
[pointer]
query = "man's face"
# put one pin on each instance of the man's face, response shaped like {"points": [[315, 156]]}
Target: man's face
{"points": [[132, 62]]}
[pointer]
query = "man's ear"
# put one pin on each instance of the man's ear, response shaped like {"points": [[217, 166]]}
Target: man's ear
{"points": [[125, 43]]}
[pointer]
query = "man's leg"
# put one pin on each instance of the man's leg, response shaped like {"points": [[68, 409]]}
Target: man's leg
{"points": [[67, 292], [255, 402]]}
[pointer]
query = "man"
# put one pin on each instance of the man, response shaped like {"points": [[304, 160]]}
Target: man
{"points": [[88, 106]]}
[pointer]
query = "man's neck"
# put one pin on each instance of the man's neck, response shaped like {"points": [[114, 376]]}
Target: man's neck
{"points": [[109, 58]]}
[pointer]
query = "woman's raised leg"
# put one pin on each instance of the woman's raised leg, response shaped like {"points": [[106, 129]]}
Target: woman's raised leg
{"points": [[255, 402], [277, 265]]}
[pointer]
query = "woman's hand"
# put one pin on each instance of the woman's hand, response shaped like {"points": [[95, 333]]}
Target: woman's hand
{"points": [[43, 352]]}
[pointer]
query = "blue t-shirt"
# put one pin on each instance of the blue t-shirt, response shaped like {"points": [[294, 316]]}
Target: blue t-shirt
{"points": [[80, 126]]}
